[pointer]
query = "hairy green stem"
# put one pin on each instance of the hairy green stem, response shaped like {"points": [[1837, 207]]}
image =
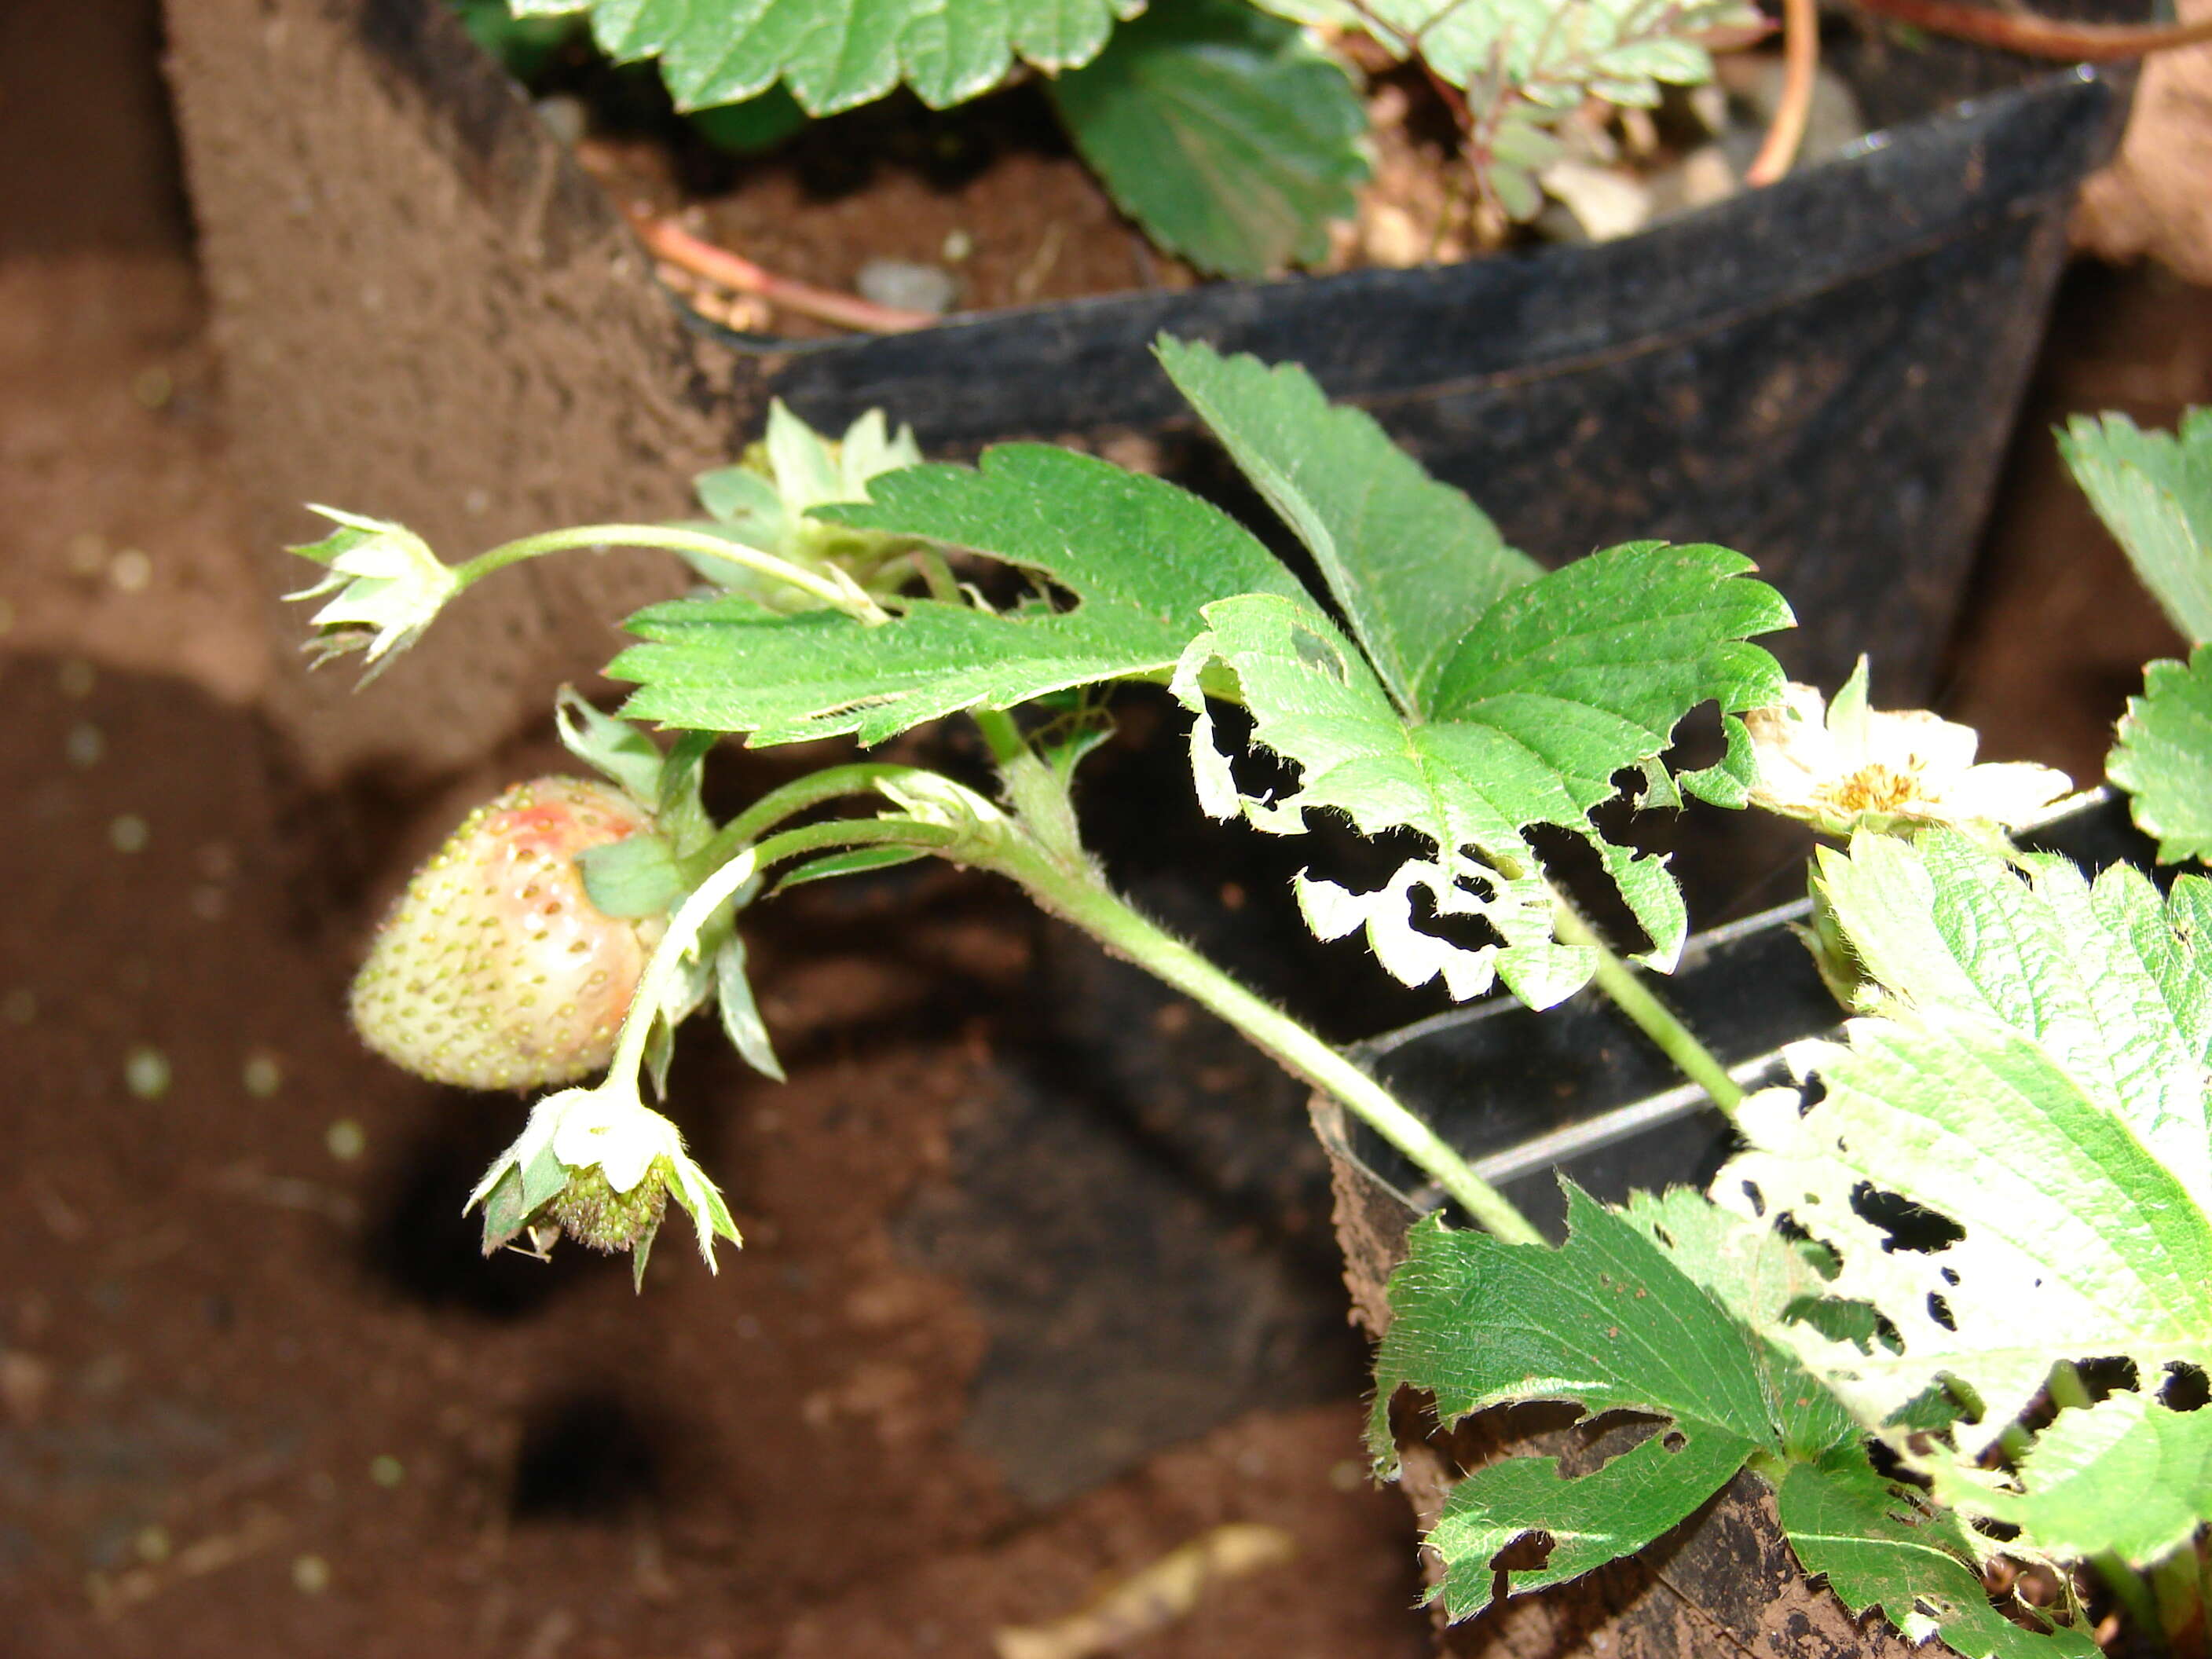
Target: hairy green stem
{"points": [[841, 594], [1625, 988], [792, 799], [857, 832], [1082, 897], [1001, 734], [1072, 889], [683, 928]]}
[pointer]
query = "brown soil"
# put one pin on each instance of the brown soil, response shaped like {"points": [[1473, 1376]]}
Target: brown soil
{"points": [[257, 1393], [220, 1317]]}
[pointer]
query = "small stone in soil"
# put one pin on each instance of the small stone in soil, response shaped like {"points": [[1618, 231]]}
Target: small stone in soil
{"points": [[130, 570], [146, 1072], [128, 833], [567, 118], [311, 1575], [85, 744], [152, 388], [906, 285], [263, 1074]]}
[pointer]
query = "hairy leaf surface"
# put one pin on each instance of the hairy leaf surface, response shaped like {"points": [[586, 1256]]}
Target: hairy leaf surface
{"points": [[2033, 1073], [834, 57], [1140, 557], [1614, 1321], [1223, 132]]}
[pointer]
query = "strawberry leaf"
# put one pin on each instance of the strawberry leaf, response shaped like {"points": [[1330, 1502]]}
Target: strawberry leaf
{"points": [[1411, 562], [1140, 557], [1880, 1544], [2126, 1476], [2154, 491], [2067, 1023], [833, 58], [1559, 684], [1554, 52], [1619, 1319], [2163, 758], [1610, 1322], [1222, 132]]}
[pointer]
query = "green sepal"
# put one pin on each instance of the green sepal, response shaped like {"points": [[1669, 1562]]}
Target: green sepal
{"points": [[636, 876], [520, 1193], [614, 748], [741, 1017], [851, 862]]}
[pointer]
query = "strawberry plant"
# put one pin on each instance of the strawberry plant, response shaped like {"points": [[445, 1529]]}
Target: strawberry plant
{"points": [[2024, 1069], [1229, 131]]}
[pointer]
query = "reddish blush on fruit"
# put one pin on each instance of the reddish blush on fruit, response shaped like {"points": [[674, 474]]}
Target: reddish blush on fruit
{"points": [[495, 971]]}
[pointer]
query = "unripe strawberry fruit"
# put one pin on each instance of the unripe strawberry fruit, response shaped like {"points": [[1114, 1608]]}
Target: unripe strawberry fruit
{"points": [[495, 971]]}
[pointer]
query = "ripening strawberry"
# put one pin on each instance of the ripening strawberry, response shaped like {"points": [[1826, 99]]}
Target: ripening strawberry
{"points": [[495, 971]]}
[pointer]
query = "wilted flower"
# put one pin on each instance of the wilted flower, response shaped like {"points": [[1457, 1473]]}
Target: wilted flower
{"points": [[600, 1165], [766, 500], [1843, 766], [390, 587]]}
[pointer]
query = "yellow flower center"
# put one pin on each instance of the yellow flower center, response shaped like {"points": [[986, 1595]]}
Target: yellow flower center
{"points": [[1874, 788]]}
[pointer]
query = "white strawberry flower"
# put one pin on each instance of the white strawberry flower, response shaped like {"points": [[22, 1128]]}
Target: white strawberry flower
{"points": [[601, 1165], [389, 586], [1842, 766]]}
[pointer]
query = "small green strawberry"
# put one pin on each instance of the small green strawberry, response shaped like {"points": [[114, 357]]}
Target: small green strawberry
{"points": [[495, 971]]}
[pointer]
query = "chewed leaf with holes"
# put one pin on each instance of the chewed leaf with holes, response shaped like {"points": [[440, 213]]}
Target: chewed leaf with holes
{"points": [[1557, 686], [1470, 703], [2164, 757], [1878, 1544], [1139, 556], [1614, 1321], [2127, 1475], [1476, 696], [835, 57], [2033, 1075]]}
